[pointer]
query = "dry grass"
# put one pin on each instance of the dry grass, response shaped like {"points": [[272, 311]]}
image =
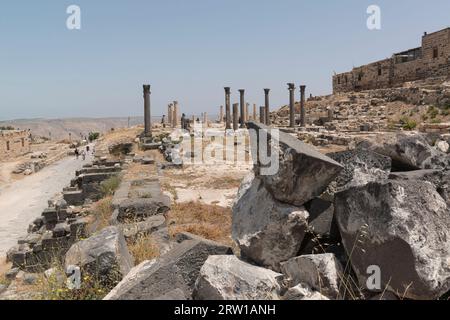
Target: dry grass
{"points": [[119, 135], [3, 280], [110, 185], [143, 248], [225, 182], [208, 221], [101, 213]]}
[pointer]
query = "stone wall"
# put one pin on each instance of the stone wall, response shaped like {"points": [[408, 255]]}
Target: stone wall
{"points": [[13, 143], [430, 60]]}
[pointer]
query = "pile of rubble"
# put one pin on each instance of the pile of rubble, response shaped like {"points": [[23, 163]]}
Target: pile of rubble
{"points": [[172, 152], [29, 167], [319, 222]]}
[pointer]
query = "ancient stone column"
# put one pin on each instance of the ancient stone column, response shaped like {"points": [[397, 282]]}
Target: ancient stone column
{"points": [[267, 111], [147, 112], [330, 114], [221, 115], [169, 114], [254, 112], [262, 114], [242, 94], [175, 119], [302, 107], [235, 116], [247, 117], [227, 108], [205, 119], [291, 105]]}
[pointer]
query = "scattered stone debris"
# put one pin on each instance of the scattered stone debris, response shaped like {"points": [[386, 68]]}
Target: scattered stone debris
{"points": [[104, 254], [177, 269], [228, 278], [302, 292]]}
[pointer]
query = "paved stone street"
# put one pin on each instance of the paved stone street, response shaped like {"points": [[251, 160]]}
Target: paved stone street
{"points": [[24, 200]]}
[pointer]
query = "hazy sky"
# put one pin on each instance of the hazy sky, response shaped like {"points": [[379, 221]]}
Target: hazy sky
{"points": [[188, 50]]}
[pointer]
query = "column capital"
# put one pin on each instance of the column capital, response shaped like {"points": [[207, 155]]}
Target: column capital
{"points": [[266, 91], [241, 91], [227, 90], [291, 86], [146, 88], [302, 88]]}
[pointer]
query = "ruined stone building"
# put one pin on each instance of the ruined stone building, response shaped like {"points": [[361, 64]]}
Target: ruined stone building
{"points": [[13, 143], [432, 59]]}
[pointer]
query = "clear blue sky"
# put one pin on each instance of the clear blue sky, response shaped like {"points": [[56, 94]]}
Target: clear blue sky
{"points": [[188, 50]]}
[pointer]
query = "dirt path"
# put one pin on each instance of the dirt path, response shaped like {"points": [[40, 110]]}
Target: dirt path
{"points": [[5, 171], [24, 200]]}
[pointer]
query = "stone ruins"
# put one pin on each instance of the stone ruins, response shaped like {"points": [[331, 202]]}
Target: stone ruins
{"points": [[317, 229], [14, 143], [430, 60]]}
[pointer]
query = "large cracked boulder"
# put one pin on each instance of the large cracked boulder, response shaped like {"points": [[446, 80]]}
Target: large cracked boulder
{"points": [[321, 272], [361, 166], [178, 269], [303, 173], [267, 231], [439, 178], [228, 278], [403, 227], [105, 255], [408, 152]]}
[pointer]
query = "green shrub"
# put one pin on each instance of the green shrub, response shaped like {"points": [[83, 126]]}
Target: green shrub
{"points": [[409, 124], [109, 186], [7, 128], [93, 136], [433, 112]]}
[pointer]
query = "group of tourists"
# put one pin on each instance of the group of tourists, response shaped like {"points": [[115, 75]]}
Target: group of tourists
{"points": [[83, 152]]}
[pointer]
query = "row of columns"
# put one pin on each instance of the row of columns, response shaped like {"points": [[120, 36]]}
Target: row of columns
{"points": [[244, 110], [291, 88], [173, 113], [173, 110]]}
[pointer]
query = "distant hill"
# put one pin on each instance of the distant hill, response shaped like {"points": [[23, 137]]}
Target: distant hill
{"points": [[59, 129]]}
